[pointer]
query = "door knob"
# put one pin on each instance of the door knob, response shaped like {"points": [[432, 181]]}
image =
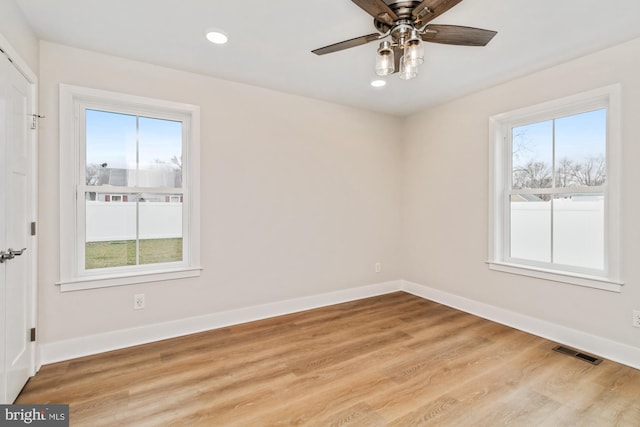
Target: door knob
{"points": [[10, 254], [16, 252], [4, 256]]}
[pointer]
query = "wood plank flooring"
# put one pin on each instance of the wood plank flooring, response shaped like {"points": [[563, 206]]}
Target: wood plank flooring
{"points": [[392, 360]]}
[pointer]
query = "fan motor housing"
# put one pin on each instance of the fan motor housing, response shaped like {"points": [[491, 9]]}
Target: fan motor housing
{"points": [[402, 8]]}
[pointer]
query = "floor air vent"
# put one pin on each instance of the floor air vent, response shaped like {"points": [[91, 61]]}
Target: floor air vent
{"points": [[575, 353]]}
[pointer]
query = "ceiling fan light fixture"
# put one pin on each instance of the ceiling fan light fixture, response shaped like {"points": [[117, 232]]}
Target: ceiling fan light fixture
{"points": [[385, 61], [407, 23], [414, 50]]}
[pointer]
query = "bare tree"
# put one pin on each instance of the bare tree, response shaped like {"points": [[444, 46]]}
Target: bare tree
{"points": [[177, 161], [174, 162], [93, 172], [564, 173], [92, 176], [174, 167], [590, 173], [521, 146], [532, 175]]}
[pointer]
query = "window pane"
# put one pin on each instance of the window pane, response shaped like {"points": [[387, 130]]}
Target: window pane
{"points": [[581, 142], [160, 228], [110, 148], [532, 155], [578, 230], [160, 153], [531, 227], [110, 234]]}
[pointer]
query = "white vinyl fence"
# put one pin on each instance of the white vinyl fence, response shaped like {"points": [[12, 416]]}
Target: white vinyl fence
{"points": [[108, 221], [578, 227], [578, 231]]}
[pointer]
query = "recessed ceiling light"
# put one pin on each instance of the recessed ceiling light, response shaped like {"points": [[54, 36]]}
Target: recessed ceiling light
{"points": [[378, 83], [217, 37]]}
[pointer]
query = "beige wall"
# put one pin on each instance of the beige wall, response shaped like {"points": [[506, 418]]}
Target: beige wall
{"points": [[14, 28], [299, 197], [445, 170]]}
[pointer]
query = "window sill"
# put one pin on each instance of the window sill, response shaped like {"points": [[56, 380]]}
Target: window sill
{"points": [[594, 282], [95, 282]]}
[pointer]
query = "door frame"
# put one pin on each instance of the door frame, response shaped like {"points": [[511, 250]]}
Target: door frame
{"points": [[22, 66]]}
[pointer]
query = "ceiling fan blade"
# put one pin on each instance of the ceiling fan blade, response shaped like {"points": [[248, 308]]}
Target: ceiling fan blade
{"points": [[455, 34], [378, 9], [431, 9], [358, 41], [421, 10]]}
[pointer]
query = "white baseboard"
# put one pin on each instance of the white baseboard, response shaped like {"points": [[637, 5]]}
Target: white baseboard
{"points": [[599, 346], [99, 343], [84, 346]]}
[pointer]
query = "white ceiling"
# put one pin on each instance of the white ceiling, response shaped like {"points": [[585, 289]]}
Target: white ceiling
{"points": [[270, 42]]}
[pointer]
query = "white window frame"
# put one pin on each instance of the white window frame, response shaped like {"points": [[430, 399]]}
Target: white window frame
{"points": [[500, 149], [73, 275]]}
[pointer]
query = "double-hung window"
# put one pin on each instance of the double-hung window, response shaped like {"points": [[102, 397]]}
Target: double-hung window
{"points": [[555, 190], [129, 185]]}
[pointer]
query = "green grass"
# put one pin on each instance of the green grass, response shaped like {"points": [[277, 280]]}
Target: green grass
{"points": [[123, 252]]}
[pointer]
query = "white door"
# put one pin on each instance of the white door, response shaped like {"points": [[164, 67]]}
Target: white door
{"points": [[15, 229]]}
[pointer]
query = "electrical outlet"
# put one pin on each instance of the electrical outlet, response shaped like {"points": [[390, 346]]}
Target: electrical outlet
{"points": [[636, 318], [378, 267], [138, 301]]}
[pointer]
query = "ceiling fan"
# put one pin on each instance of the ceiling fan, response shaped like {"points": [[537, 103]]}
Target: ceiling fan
{"points": [[406, 23]]}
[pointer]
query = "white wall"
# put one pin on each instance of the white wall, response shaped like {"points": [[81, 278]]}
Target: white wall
{"points": [[14, 28], [445, 170], [299, 197]]}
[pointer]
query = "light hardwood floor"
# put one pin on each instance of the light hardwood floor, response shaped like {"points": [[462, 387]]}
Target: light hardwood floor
{"points": [[395, 360]]}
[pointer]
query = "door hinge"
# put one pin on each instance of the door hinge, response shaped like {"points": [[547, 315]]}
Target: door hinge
{"points": [[33, 334], [33, 228], [34, 120]]}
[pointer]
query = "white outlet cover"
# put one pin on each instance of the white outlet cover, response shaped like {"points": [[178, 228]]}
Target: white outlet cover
{"points": [[636, 318], [138, 301]]}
